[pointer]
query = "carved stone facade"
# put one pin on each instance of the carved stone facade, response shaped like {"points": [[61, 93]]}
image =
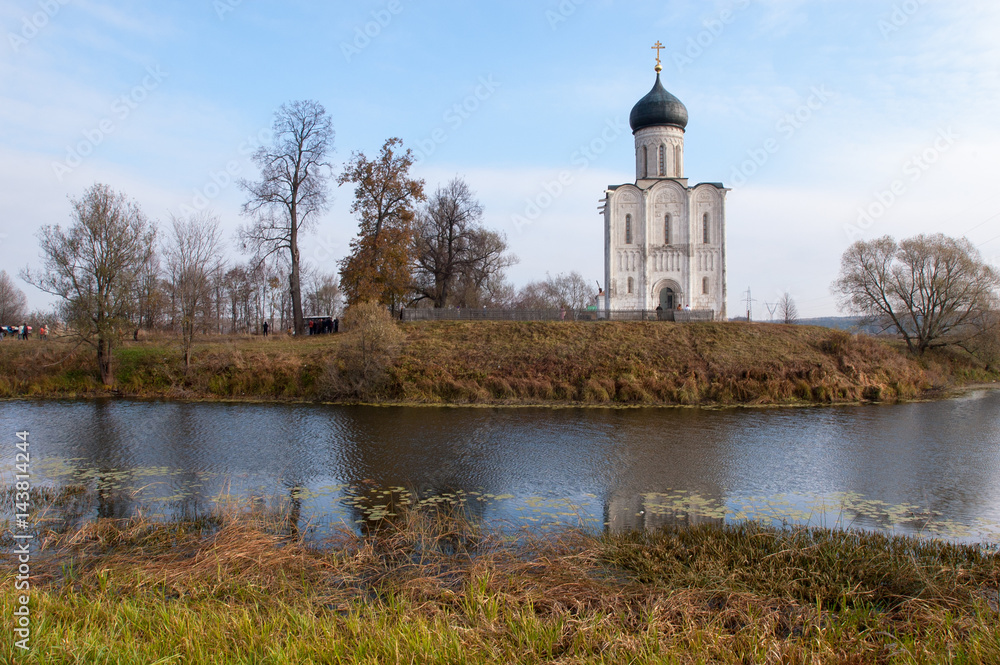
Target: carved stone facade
{"points": [[665, 242]]}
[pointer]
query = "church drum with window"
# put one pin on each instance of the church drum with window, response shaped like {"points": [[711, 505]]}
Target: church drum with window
{"points": [[665, 241]]}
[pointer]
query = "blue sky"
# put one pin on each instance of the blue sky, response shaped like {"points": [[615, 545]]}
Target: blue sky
{"points": [[831, 120]]}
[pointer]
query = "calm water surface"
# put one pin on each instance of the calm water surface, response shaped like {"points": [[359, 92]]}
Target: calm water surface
{"points": [[929, 467]]}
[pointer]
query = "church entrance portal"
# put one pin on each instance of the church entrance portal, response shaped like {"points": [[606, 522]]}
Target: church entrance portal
{"points": [[668, 299]]}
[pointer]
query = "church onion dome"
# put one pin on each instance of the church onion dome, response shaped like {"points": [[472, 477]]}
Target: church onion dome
{"points": [[659, 107]]}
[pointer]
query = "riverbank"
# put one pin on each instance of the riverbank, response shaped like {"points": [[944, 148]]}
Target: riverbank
{"points": [[513, 363], [432, 587]]}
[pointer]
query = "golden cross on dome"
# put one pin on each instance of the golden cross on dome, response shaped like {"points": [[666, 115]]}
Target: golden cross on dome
{"points": [[658, 47]]}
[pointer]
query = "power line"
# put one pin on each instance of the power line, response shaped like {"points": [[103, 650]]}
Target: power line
{"points": [[988, 219], [830, 297], [988, 241], [960, 215]]}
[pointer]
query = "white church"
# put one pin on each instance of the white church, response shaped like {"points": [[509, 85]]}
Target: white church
{"points": [[664, 241]]}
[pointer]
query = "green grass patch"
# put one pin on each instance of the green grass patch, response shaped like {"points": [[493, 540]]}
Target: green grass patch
{"points": [[430, 586]]}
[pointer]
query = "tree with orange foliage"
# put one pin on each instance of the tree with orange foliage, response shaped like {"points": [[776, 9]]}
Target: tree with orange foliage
{"points": [[377, 269]]}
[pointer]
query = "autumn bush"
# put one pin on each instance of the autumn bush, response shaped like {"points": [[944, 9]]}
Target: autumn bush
{"points": [[359, 366]]}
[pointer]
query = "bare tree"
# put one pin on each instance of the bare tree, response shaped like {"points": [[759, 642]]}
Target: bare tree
{"points": [[292, 190], [93, 267], [253, 293], [787, 310], [484, 275], [497, 291], [572, 289], [441, 240], [564, 290], [150, 300], [985, 346], [13, 302], [454, 257], [41, 317], [274, 300], [534, 295], [931, 289], [236, 292], [324, 297], [194, 257]]}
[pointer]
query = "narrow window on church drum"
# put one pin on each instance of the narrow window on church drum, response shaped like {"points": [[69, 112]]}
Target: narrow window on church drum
{"points": [[628, 229], [704, 230], [666, 230], [645, 161], [663, 160], [631, 284], [677, 161], [704, 285]]}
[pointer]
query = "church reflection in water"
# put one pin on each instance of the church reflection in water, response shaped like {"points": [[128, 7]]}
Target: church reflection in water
{"points": [[637, 513]]}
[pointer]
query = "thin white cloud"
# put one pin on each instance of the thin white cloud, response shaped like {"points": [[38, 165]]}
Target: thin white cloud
{"points": [[136, 20], [781, 17]]}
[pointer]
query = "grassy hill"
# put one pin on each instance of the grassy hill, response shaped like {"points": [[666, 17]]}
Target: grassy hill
{"points": [[609, 363]]}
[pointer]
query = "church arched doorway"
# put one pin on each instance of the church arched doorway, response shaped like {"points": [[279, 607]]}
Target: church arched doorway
{"points": [[668, 299]]}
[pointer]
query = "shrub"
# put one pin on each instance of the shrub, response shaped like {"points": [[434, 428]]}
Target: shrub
{"points": [[872, 393], [593, 391], [359, 368]]}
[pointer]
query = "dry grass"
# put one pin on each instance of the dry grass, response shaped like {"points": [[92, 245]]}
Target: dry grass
{"points": [[622, 363], [432, 587]]}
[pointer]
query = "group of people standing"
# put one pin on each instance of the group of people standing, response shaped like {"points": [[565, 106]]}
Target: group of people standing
{"points": [[315, 326], [24, 331], [323, 326]]}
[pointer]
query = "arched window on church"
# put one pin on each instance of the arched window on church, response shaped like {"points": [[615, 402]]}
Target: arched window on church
{"points": [[663, 160], [631, 284], [645, 161], [677, 162], [705, 237], [628, 229], [704, 285], [666, 230]]}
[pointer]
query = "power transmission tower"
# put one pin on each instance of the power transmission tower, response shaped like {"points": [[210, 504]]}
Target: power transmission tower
{"points": [[771, 309], [750, 301]]}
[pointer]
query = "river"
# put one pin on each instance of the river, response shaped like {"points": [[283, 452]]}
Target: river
{"points": [[928, 468]]}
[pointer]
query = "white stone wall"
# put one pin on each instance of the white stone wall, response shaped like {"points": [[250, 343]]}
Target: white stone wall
{"points": [[626, 260], [708, 258], [687, 264], [648, 142]]}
